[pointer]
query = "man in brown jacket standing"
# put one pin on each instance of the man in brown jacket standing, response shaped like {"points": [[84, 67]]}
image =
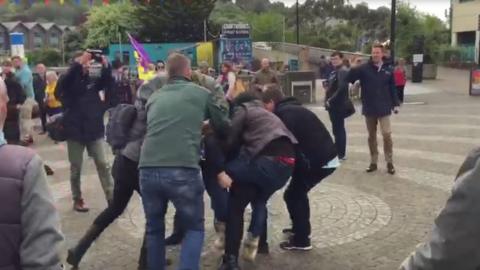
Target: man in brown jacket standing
{"points": [[29, 222]]}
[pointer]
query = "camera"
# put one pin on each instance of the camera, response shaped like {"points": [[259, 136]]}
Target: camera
{"points": [[96, 55]]}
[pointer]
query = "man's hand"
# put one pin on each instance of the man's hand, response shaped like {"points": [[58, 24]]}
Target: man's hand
{"points": [[224, 180]]}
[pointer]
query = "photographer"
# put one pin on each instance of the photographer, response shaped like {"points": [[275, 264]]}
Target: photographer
{"points": [[83, 119]]}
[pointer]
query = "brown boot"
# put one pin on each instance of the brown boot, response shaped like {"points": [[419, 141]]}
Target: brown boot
{"points": [[80, 206]]}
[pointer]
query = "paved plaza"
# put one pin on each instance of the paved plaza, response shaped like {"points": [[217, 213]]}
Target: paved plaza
{"points": [[360, 221]]}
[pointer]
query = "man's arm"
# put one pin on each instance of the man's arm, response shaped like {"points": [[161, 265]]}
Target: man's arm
{"points": [[453, 243], [40, 221], [217, 112], [354, 74]]}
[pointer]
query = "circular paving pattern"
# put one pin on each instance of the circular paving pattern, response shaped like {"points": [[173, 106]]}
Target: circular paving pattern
{"points": [[339, 215]]}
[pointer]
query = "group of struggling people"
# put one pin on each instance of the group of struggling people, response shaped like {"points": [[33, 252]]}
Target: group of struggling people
{"points": [[247, 157]]}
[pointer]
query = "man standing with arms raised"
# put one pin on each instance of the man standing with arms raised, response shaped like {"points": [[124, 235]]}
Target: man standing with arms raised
{"points": [[379, 99]]}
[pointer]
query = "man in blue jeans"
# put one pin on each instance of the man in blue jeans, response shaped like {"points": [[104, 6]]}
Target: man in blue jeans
{"points": [[169, 169]]}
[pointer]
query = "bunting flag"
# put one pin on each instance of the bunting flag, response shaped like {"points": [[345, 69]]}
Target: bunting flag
{"points": [[17, 2], [144, 59], [77, 2], [62, 2], [90, 2], [47, 2], [3, 2], [105, 2]]}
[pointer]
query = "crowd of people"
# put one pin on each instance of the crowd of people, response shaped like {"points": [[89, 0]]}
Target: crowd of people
{"points": [[184, 132]]}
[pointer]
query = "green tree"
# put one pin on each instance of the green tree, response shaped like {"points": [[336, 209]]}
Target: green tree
{"points": [[73, 42], [174, 20], [266, 26], [49, 57], [108, 24]]}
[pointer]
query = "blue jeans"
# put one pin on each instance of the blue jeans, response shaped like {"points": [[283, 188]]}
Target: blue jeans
{"points": [[339, 132], [184, 188], [267, 176]]}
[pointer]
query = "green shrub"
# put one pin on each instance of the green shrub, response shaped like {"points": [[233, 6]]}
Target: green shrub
{"points": [[49, 57]]}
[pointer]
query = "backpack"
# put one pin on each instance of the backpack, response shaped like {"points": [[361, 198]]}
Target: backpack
{"points": [[120, 121]]}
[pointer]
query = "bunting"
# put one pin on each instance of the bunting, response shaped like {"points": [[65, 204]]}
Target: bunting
{"points": [[77, 2]]}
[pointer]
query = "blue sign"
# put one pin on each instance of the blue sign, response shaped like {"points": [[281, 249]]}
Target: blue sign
{"points": [[236, 50], [16, 39]]}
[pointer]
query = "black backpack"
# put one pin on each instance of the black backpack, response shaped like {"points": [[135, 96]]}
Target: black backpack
{"points": [[120, 121]]}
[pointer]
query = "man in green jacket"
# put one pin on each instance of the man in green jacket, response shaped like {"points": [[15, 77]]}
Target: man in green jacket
{"points": [[169, 161]]}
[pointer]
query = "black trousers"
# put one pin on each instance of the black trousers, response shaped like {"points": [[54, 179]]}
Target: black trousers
{"points": [[125, 175], [298, 205], [241, 194], [400, 92], [42, 110]]}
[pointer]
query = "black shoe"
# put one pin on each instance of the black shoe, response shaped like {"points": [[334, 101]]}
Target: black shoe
{"points": [[174, 239], [75, 254], [229, 262], [290, 245], [48, 170], [263, 248], [372, 168], [287, 231], [391, 168]]}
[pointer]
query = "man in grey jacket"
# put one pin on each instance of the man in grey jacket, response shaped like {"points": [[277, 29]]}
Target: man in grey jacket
{"points": [[454, 242], [29, 222]]}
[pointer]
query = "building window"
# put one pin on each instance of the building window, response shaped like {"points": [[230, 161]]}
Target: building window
{"points": [[37, 40], [54, 39]]}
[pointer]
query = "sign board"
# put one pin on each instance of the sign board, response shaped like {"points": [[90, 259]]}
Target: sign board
{"points": [[475, 82], [236, 31], [418, 58], [236, 50]]}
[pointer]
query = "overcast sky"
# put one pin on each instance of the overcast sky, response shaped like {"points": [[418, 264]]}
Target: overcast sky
{"points": [[435, 7]]}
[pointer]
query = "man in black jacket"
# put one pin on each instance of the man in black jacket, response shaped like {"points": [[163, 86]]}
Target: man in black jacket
{"points": [[16, 97], [336, 100], [379, 99], [316, 159], [39, 85], [83, 121]]}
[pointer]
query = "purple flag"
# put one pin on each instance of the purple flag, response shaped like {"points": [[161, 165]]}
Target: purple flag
{"points": [[144, 58]]}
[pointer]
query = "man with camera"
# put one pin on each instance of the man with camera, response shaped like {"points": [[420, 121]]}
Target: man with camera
{"points": [[88, 75]]}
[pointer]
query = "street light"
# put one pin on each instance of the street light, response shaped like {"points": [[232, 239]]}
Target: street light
{"points": [[393, 24]]}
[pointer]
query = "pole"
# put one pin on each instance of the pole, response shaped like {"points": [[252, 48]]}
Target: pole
{"points": [[393, 24], [205, 30], [283, 29], [63, 48], [298, 26]]}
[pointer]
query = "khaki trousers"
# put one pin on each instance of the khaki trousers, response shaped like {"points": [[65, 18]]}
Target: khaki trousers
{"points": [[386, 129], [25, 115]]}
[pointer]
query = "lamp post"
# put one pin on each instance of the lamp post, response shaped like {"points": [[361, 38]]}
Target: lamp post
{"points": [[393, 24], [298, 26]]}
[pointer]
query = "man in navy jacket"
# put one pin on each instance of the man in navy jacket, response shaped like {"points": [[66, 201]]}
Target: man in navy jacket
{"points": [[379, 99]]}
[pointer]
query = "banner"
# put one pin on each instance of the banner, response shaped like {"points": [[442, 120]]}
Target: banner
{"points": [[142, 54]]}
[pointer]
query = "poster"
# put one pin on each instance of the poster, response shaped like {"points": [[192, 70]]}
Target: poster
{"points": [[236, 50], [475, 82]]}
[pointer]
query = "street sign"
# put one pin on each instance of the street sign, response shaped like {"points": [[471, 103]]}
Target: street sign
{"points": [[236, 31]]}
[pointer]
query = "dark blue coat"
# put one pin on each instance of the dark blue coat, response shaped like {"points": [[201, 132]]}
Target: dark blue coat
{"points": [[83, 108], [379, 95]]}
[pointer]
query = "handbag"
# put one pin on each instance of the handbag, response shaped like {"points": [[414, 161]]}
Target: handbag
{"points": [[349, 108], [56, 129]]}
